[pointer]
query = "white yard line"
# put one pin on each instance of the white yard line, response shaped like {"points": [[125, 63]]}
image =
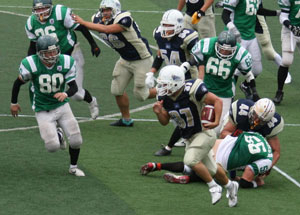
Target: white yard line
{"points": [[287, 176]]}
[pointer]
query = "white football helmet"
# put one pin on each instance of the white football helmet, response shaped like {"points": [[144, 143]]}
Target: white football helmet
{"points": [[261, 112], [115, 7], [170, 79], [172, 20]]}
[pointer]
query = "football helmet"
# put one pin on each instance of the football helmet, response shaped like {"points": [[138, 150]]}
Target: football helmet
{"points": [[170, 79], [226, 45], [171, 23], [42, 9], [115, 7], [261, 113], [48, 49]]}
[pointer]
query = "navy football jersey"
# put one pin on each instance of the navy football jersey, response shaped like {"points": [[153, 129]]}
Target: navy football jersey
{"points": [[129, 43], [239, 114], [185, 110], [176, 50]]}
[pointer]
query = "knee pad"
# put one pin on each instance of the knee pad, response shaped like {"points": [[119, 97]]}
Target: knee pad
{"points": [[52, 145], [79, 96], [287, 59], [75, 141], [141, 93]]}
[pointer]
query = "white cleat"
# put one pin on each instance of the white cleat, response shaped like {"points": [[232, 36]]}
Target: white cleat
{"points": [[93, 106], [62, 141], [216, 194], [288, 79], [77, 172], [181, 142], [232, 194]]}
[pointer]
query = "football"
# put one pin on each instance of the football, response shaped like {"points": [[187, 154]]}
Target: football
{"points": [[208, 114]]}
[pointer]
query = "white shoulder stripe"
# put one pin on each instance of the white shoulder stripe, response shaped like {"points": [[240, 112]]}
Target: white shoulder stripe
{"points": [[240, 53], [29, 23], [206, 45], [32, 64], [67, 62], [58, 12]]}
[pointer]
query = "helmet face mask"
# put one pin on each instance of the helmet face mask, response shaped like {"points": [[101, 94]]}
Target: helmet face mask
{"points": [[48, 49], [261, 113], [170, 80], [225, 47], [42, 9], [109, 10], [171, 23]]}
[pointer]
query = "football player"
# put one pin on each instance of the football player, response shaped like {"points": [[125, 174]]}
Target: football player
{"points": [[181, 101], [118, 29], [49, 72], [290, 37], [199, 16], [239, 16], [175, 43], [55, 20], [249, 151]]}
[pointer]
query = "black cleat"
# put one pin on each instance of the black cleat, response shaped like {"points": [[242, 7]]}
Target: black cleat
{"points": [[246, 90], [122, 123], [278, 98], [162, 152]]}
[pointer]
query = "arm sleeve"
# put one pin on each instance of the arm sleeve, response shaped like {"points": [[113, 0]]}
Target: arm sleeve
{"points": [[86, 34], [266, 12], [15, 90], [32, 48], [73, 88]]}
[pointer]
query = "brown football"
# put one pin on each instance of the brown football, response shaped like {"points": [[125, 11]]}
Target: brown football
{"points": [[208, 114]]}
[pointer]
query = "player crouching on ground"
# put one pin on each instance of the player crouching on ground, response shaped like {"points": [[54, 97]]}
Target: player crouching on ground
{"points": [[182, 102], [49, 72]]}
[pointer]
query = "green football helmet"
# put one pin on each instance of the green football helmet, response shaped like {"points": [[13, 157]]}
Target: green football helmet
{"points": [[42, 9], [47, 49], [226, 45]]}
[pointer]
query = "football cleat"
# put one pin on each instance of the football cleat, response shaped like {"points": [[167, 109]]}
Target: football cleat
{"points": [[288, 79], [77, 172], [216, 194], [278, 97], [180, 179], [94, 109], [232, 194], [62, 141], [122, 123], [163, 152], [148, 167], [246, 90]]}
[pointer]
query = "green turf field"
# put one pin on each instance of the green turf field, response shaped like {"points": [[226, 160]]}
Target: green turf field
{"points": [[33, 181]]}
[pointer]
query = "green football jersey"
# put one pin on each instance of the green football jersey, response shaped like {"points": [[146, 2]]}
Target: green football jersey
{"points": [[249, 147], [47, 81], [219, 72], [244, 16], [59, 25], [293, 6]]}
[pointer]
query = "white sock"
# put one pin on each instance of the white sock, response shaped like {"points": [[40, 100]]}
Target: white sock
{"points": [[73, 166], [277, 59], [211, 184], [168, 148], [228, 185]]}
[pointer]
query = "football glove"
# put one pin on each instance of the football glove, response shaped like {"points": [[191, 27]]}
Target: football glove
{"points": [[95, 50], [185, 67], [197, 16], [295, 30], [150, 80], [232, 29]]}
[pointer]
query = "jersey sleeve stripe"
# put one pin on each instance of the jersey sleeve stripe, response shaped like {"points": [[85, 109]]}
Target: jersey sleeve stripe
{"points": [[67, 62], [25, 74], [71, 74], [31, 64], [29, 26], [58, 12], [205, 45]]}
